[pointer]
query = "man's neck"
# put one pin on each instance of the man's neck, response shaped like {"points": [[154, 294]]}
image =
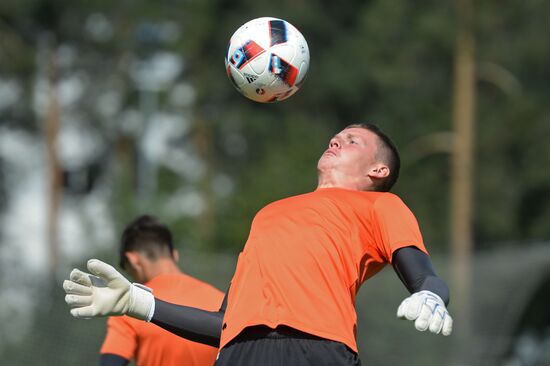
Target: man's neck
{"points": [[338, 182], [162, 266]]}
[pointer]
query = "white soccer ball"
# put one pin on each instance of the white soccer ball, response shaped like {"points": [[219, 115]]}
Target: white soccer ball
{"points": [[267, 59]]}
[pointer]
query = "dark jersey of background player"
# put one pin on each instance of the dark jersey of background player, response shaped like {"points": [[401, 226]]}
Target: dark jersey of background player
{"points": [[148, 255]]}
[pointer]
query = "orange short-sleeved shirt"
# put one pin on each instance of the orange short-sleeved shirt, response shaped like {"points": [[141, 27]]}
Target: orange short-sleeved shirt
{"points": [[151, 345], [306, 257]]}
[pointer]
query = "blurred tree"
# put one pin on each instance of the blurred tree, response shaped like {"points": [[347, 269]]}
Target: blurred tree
{"points": [[384, 62]]}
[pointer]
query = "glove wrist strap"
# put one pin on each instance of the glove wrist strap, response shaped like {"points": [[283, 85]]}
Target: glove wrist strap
{"points": [[142, 302], [433, 294]]}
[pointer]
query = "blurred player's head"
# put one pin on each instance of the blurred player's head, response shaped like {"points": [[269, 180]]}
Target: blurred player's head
{"points": [[146, 248], [360, 157]]}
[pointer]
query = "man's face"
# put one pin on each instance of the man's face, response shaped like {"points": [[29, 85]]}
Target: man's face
{"points": [[350, 153]]}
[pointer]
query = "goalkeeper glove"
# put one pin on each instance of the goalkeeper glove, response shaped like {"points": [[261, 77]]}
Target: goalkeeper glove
{"points": [[428, 312], [106, 292]]}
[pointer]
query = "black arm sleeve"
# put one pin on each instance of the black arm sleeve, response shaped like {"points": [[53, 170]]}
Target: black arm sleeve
{"points": [[191, 323], [414, 269], [108, 359]]}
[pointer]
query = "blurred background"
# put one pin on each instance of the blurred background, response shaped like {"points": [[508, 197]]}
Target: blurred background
{"points": [[110, 109]]}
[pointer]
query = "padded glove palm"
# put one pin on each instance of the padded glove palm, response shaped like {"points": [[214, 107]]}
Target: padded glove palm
{"points": [[106, 292], [428, 312]]}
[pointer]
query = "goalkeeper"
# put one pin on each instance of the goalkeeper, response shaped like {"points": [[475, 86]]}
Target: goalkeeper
{"points": [[291, 299]]}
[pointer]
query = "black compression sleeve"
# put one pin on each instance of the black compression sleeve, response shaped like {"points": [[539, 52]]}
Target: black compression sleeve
{"points": [[191, 323], [415, 270], [109, 359]]}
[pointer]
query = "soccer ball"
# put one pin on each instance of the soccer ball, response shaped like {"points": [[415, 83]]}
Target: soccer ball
{"points": [[267, 59]]}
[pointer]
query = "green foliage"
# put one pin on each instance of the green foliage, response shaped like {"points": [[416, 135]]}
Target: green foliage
{"points": [[387, 62]]}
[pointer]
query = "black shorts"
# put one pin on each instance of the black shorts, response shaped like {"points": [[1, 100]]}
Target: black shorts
{"points": [[284, 346]]}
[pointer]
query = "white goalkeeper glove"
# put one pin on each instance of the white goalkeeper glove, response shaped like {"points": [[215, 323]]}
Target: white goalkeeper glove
{"points": [[106, 292], [428, 312]]}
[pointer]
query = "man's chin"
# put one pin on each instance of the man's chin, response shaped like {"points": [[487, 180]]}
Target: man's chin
{"points": [[324, 164]]}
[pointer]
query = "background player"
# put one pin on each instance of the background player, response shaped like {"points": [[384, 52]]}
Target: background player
{"points": [[148, 255], [291, 300]]}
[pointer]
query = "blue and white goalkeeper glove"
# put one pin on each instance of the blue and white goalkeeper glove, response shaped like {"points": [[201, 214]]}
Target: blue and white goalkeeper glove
{"points": [[428, 312], [106, 292]]}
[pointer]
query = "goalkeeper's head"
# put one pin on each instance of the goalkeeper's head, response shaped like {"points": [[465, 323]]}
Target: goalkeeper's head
{"points": [[146, 249]]}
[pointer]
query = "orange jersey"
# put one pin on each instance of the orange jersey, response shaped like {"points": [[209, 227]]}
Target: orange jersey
{"points": [[306, 257], [151, 345]]}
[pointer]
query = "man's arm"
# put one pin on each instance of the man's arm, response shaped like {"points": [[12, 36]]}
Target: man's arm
{"points": [[108, 359], [414, 268], [191, 323], [430, 294], [106, 292]]}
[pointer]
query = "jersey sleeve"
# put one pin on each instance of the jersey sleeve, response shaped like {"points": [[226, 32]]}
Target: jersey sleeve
{"points": [[121, 338], [398, 228]]}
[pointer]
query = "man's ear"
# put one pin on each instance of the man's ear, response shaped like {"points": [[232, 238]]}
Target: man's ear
{"points": [[176, 255], [134, 260], [379, 171]]}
